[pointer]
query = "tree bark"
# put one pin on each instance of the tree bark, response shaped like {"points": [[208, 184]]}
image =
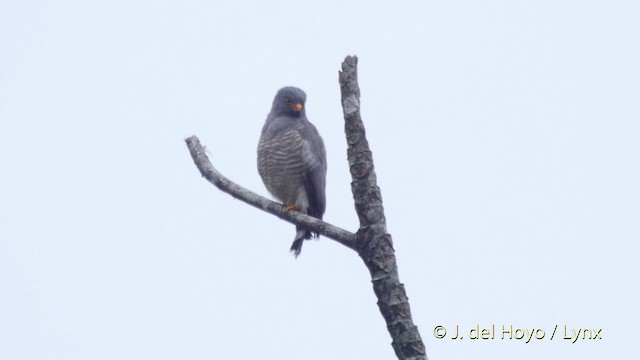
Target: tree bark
{"points": [[371, 241]]}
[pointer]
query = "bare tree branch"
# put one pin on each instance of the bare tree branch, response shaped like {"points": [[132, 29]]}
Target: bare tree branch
{"points": [[210, 173], [373, 243]]}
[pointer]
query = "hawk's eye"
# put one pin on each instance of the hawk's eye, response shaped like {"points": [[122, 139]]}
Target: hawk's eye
{"points": [[288, 101]]}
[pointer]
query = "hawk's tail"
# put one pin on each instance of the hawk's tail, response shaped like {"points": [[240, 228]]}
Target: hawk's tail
{"points": [[301, 235]]}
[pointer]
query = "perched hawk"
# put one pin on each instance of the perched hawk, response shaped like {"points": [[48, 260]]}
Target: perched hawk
{"points": [[292, 160]]}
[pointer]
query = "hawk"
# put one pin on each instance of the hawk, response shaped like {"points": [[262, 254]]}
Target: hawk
{"points": [[292, 160]]}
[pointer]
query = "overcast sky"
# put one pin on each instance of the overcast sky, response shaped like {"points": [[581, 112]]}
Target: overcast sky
{"points": [[505, 136]]}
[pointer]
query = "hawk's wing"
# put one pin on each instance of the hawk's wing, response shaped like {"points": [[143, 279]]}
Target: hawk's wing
{"points": [[314, 175]]}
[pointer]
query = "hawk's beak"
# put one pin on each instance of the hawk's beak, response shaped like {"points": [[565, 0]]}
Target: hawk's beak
{"points": [[297, 106]]}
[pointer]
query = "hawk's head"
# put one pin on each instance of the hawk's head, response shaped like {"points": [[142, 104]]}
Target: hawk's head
{"points": [[289, 101]]}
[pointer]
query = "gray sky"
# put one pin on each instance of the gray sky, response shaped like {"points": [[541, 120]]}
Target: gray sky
{"points": [[505, 138]]}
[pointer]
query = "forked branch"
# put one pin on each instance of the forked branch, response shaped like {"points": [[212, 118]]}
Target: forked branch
{"points": [[372, 242]]}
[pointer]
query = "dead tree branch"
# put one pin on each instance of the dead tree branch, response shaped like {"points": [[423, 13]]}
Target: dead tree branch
{"points": [[210, 173], [371, 241]]}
